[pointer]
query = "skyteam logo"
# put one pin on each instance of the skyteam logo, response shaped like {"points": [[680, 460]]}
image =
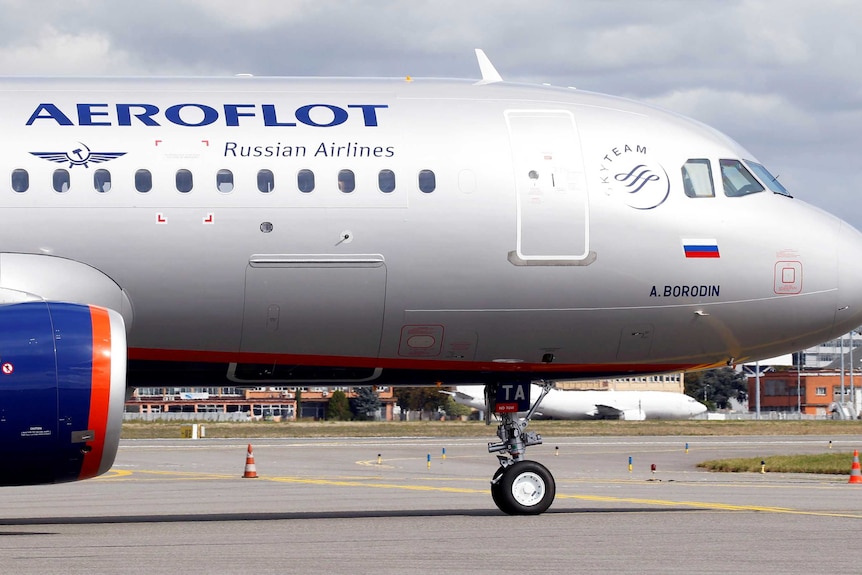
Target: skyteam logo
{"points": [[79, 155], [637, 180]]}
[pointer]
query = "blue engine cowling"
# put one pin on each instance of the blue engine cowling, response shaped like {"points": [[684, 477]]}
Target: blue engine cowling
{"points": [[62, 388]]}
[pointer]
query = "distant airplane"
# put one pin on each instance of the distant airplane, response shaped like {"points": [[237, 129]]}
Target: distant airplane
{"points": [[578, 404], [330, 231]]}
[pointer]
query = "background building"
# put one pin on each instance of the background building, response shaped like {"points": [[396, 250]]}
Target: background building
{"points": [[828, 353], [231, 403], [819, 393], [667, 382]]}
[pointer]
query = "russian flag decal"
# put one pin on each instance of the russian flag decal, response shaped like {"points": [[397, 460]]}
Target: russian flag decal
{"points": [[700, 248]]}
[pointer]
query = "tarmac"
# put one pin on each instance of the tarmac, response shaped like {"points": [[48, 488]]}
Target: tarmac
{"points": [[378, 506]]}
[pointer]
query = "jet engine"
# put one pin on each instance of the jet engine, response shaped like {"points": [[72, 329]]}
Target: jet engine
{"points": [[62, 387]]}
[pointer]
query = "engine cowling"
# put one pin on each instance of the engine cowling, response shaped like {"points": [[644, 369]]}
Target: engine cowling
{"points": [[62, 388]]}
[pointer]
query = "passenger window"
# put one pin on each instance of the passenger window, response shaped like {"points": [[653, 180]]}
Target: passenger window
{"points": [[143, 181], [184, 181], [61, 181], [305, 181], [102, 181], [737, 180], [386, 181], [697, 179], [224, 181], [20, 180], [427, 181], [346, 181], [265, 181]]}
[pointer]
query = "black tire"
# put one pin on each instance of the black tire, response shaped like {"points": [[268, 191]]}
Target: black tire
{"points": [[497, 490], [525, 488]]}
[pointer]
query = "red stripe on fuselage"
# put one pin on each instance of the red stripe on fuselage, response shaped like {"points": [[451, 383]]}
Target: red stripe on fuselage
{"points": [[192, 356], [100, 391]]}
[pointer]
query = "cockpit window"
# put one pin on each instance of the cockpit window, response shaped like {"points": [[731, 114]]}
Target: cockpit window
{"points": [[697, 179], [771, 181], [737, 180]]}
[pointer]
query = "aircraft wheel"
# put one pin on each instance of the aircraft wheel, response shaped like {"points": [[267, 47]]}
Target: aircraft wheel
{"points": [[525, 488]]}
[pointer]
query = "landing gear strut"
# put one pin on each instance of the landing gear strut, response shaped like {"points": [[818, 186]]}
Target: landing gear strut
{"points": [[520, 486]]}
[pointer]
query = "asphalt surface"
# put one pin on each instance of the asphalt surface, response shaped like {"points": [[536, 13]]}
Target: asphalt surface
{"points": [[331, 506]]}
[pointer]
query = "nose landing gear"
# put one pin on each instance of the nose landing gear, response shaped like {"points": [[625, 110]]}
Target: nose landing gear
{"points": [[520, 486]]}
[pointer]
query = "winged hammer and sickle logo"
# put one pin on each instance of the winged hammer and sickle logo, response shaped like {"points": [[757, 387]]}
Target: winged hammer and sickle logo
{"points": [[79, 155]]}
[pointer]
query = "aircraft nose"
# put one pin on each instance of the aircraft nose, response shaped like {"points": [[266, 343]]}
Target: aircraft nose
{"points": [[849, 244]]}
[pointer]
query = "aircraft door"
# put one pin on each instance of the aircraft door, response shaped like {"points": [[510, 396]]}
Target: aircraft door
{"points": [[551, 192], [314, 305]]}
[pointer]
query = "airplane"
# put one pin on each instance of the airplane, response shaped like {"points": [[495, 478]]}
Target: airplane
{"points": [[251, 231], [595, 404]]}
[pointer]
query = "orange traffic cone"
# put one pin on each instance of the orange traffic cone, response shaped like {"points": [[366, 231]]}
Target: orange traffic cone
{"points": [[855, 471], [250, 470]]}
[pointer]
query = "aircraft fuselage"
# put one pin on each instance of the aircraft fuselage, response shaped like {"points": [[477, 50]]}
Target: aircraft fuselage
{"points": [[413, 231]]}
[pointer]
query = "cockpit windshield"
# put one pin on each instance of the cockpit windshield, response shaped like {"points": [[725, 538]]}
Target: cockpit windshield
{"points": [[737, 180], [771, 181]]}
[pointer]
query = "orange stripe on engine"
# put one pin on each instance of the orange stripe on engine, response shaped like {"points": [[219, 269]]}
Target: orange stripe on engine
{"points": [[100, 390]]}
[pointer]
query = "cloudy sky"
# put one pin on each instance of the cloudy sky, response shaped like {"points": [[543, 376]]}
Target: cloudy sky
{"points": [[783, 77]]}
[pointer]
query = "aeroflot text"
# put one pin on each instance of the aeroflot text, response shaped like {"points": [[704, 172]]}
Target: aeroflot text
{"points": [[197, 115]]}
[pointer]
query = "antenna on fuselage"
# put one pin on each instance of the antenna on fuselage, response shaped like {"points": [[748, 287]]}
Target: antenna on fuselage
{"points": [[490, 74]]}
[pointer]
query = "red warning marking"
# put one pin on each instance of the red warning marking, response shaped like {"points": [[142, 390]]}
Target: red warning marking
{"points": [[8, 368], [161, 219], [208, 219], [158, 142]]}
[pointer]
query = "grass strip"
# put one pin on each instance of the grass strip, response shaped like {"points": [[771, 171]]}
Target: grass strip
{"points": [[837, 463], [683, 429]]}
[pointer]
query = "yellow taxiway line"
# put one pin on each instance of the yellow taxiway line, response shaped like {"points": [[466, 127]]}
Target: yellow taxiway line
{"points": [[121, 475]]}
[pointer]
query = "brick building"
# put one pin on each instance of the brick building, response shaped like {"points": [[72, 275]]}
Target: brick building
{"points": [[818, 392]]}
